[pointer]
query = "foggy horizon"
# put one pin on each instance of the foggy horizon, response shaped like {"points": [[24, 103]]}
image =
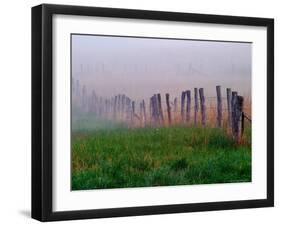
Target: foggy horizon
{"points": [[140, 67]]}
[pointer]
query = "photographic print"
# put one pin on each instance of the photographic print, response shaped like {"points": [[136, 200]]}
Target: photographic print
{"points": [[139, 112], [159, 112]]}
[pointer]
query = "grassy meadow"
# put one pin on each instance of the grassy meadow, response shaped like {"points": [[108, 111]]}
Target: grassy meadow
{"points": [[110, 155]]}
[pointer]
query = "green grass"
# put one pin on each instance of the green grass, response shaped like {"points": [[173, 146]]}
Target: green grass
{"points": [[122, 157]]}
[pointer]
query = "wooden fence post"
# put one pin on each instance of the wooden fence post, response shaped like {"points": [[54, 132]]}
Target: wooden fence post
{"points": [[242, 123], [203, 106], [229, 111], [155, 109], [151, 110], [160, 108], [128, 109], [182, 106], [188, 104], [141, 114], [237, 114], [168, 108], [195, 105], [144, 112], [233, 117], [219, 106], [233, 104]]}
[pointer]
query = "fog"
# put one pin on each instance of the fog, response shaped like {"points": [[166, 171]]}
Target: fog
{"points": [[140, 67]]}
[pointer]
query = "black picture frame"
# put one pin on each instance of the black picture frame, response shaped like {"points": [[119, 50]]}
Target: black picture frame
{"points": [[42, 107]]}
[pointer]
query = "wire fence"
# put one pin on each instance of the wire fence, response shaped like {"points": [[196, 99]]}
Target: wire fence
{"points": [[189, 108]]}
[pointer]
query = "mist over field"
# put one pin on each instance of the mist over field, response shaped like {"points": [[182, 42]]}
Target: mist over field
{"points": [[140, 67], [137, 120]]}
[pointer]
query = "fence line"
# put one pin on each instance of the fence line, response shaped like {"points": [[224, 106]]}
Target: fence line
{"points": [[164, 111]]}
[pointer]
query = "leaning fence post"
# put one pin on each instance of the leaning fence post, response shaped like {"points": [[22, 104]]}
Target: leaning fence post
{"points": [[188, 103], [219, 106], [168, 108], [202, 106], [182, 106], [229, 111]]}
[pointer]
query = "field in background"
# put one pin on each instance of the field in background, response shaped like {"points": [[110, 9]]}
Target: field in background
{"points": [[110, 155]]}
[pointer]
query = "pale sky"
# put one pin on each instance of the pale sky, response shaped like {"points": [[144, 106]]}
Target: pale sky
{"points": [[140, 67]]}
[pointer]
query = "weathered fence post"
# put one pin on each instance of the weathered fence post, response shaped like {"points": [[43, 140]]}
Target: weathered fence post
{"points": [[233, 104], [229, 111], [141, 114], [219, 106], [144, 112], [155, 109], [168, 108], [237, 115], [242, 123], [195, 105], [128, 109], [160, 108], [188, 104], [203, 106], [151, 110], [182, 105]]}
